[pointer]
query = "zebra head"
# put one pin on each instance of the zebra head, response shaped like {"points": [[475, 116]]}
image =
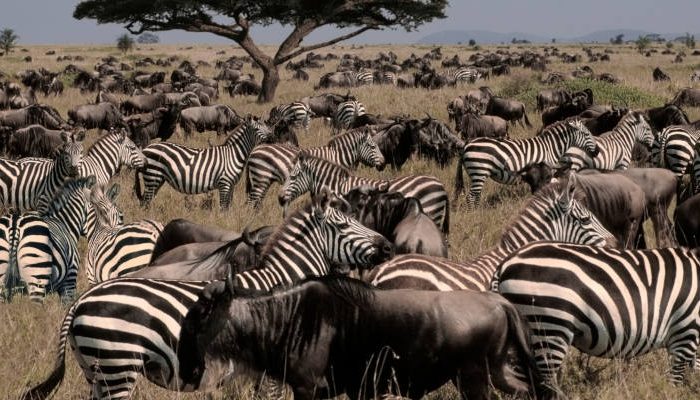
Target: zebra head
{"points": [[642, 130], [583, 138], [298, 182], [71, 205], [70, 154], [370, 155], [260, 128], [105, 212], [347, 241], [129, 154]]}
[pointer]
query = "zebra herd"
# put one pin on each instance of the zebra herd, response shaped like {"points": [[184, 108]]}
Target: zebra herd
{"points": [[556, 261]]}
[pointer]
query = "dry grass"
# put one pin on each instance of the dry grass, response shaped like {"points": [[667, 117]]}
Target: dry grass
{"points": [[29, 332]]}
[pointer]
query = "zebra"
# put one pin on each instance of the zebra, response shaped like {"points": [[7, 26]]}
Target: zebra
{"points": [[677, 148], [28, 183], [502, 159], [312, 174], [385, 77], [114, 248], [106, 157], [270, 163], [296, 114], [553, 213], [461, 74], [362, 78], [346, 113], [195, 171], [132, 325], [615, 147], [25, 254], [605, 302]]}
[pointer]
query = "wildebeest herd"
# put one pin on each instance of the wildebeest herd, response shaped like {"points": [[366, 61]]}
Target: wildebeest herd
{"points": [[358, 290]]}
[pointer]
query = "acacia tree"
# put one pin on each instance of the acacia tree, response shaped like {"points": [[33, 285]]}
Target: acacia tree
{"points": [[233, 19], [8, 40], [125, 43]]}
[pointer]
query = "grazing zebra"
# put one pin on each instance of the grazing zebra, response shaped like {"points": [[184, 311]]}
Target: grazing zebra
{"points": [[133, 325], [28, 183], [364, 78], [461, 74], [295, 114], [385, 77], [106, 157], [553, 213], [615, 147], [605, 302], [677, 148], [195, 171], [25, 254], [346, 113], [501, 159], [270, 163], [312, 174], [115, 248]]}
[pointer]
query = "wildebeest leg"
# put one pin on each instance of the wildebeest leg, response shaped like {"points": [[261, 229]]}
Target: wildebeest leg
{"points": [[473, 384], [640, 238], [662, 227], [630, 234]]}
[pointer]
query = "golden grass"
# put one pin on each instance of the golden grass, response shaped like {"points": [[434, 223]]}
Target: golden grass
{"points": [[29, 332]]}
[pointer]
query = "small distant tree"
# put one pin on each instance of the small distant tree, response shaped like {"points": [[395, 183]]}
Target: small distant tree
{"points": [[148, 38], [8, 40], [689, 41], [554, 40], [472, 42], [617, 39], [125, 43], [642, 43], [669, 45]]}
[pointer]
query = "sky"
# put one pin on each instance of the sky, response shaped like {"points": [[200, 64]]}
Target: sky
{"points": [[51, 21]]}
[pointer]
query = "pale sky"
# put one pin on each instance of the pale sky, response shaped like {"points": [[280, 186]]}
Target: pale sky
{"points": [[51, 21]]}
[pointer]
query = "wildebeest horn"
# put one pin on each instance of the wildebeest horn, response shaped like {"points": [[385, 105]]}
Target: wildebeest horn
{"points": [[229, 281], [245, 235]]}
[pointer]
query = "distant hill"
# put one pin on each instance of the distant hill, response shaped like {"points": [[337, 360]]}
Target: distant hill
{"points": [[489, 37]]}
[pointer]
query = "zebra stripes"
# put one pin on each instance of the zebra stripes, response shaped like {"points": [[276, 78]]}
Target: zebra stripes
{"points": [[25, 255], [312, 174], [28, 183], [615, 147], [462, 74], [270, 163], [346, 113], [195, 171], [106, 157], [126, 327], [676, 148], [501, 159], [553, 213], [364, 78], [605, 302], [296, 114], [114, 248]]}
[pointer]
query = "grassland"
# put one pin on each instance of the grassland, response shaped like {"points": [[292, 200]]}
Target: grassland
{"points": [[29, 332]]}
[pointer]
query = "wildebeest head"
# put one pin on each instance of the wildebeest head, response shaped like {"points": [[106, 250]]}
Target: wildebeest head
{"points": [[70, 155]]}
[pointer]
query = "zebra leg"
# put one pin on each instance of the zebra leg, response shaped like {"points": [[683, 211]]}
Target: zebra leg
{"points": [[152, 185], [683, 355], [225, 194], [257, 190], [474, 195], [550, 350]]}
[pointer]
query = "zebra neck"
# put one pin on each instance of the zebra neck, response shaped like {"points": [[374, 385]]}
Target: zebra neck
{"points": [[352, 182], [57, 176], [59, 226], [555, 144], [101, 167], [488, 262]]}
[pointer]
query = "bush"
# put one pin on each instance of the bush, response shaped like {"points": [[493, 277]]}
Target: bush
{"points": [[125, 43], [608, 93]]}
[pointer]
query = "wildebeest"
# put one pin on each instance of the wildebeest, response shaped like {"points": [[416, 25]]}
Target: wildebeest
{"points": [[336, 79], [552, 97], [659, 75], [579, 102], [664, 116], [101, 116], [606, 121], [54, 86], [687, 97], [220, 118], [35, 114], [338, 335], [325, 104], [245, 88], [106, 97], [399, 219], [510, 110], [687, 222], [161, 123], [34, 141], [180, 231], [472, 125], [142, 103], [300, 75]]}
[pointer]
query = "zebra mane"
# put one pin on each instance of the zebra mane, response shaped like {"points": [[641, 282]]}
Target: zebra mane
{"points": [[68, 188], [112, 136], [278, 234], [353, 132]]}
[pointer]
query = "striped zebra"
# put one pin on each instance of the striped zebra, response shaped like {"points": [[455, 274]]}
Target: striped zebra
{"points": [[553, 213], [297, 114], [106, 157], [364, 77], [677, 148], [312, 174], [114, 248], [25, 255], [195, 171], [270, 163], [501, 159], [126, 327], [605, 302], [385, 77], [615, 146], [461, 74], [28, 183], [345, 114]]}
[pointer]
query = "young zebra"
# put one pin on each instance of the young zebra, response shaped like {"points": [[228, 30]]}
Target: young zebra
{"points": [[615, 147], [132, 326], [28, 183], [195, 171], [501, 159], [553, 213], [296, 114], [312, 174], [605, 302], [270, 163], [346, 113], [114, 248], [25, 255], [106, 157]]}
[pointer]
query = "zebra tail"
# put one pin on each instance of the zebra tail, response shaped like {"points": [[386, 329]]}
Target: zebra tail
{"points": [[45, 388], [527, 121], [446, 220], [12, 279], [662, 150], [459, 180], [248, 183], [137, 185]]}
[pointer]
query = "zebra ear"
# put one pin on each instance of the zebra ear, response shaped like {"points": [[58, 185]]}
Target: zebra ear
{"points": [[113, 192]]}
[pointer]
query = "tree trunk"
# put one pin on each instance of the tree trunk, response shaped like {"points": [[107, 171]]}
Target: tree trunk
{"points": [[271, 78]]}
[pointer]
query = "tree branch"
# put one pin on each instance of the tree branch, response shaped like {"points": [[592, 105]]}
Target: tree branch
{"points": [[294, 39], [304, 49]]}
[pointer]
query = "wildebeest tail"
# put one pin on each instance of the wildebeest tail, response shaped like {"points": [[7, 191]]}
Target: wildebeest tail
{"points": [[137, 185], [459, 179], [527, 121], [45, 388]]}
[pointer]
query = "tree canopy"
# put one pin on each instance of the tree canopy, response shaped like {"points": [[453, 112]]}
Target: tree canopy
{"points": [[8, 40], [125, 43], [233, 18]]}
